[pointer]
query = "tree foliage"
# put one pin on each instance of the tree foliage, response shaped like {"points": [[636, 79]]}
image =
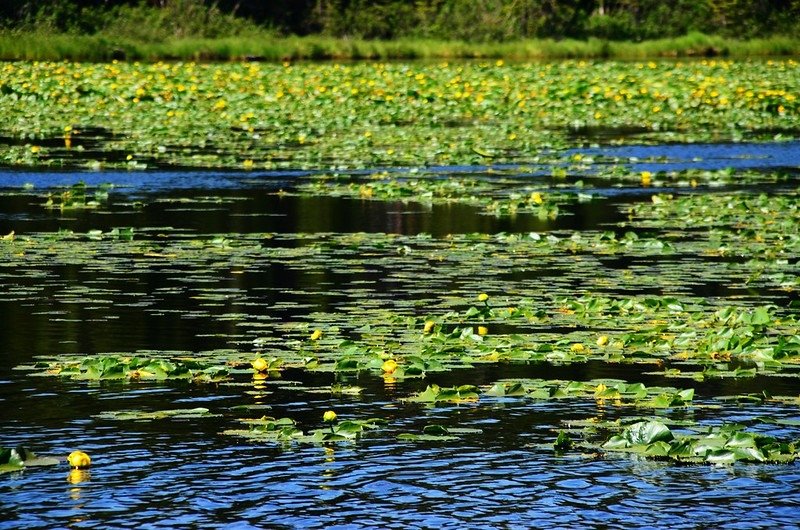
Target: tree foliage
{"points": [[473, 20]]}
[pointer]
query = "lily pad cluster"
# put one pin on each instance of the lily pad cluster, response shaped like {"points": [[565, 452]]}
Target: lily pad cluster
{"points": [[727, 444], [79, 196], [141, 415], [110, 367], [616, 392], [254, 115], [402, 311], [493, 195], [285, 430]]}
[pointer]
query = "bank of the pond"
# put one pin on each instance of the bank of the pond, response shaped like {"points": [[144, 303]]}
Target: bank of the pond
{"points": [[17, 45]]}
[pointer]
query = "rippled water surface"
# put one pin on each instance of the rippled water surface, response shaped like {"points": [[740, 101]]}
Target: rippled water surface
{"points": [[183, 473]]}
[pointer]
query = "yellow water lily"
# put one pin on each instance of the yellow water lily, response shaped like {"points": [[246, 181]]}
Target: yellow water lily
{"points": [[602, 340], [260, 365], [316, 335], [389, 366], [79, 460], [483, 297], [428, 326], [482, 330], [329, 416]]}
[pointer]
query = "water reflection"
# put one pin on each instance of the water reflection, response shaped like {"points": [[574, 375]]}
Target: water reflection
{"points": [[495, 481], [75, 477]]}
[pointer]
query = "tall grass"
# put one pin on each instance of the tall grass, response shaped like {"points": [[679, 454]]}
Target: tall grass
{"points": [[16, 45]]}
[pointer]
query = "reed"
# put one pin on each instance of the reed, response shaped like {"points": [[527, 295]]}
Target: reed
{"points": [[40, 46]]}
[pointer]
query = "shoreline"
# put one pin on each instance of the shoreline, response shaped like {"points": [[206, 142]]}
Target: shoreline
{"points": [[19, 46]]}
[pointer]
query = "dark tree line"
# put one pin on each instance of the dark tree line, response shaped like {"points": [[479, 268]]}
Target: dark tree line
{"points": [[444, 19]]}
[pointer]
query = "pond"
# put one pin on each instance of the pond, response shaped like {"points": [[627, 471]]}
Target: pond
{"points": [[650, 285]]}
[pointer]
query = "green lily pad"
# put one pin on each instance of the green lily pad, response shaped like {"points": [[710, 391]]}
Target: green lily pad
{"points": [[139, 415]]}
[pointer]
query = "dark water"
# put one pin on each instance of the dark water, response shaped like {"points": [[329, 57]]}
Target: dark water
{"points": [[182, 473]]}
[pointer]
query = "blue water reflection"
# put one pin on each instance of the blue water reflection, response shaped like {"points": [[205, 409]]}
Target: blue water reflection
{"points": [[665, 157], [146, 480]]}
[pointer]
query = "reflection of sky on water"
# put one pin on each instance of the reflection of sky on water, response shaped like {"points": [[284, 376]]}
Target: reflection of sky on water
{"points": [[669, 157], [678, 157]]}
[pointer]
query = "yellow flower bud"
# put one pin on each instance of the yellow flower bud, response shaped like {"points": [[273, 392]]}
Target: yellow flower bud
{"points": [[260, 365], [329, 416], [389, 366], [79, 459], [602, 340], [483, 297], [316, 335], [428, 326], [482, 330]]}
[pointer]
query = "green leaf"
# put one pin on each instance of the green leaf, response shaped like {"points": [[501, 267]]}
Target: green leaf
{"points": [[658, 449], [435, 430], [742, 439], [563, 442], [760, 317], [647, 432], [721, 457], [616, 442], [429, 395], [343, 365]]}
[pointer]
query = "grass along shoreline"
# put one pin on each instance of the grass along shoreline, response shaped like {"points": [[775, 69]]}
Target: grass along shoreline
{"points": [[32, 46]]}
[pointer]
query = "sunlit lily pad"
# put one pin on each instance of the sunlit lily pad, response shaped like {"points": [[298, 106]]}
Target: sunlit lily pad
{"points": [[140, 415], [723, 445], [19, 458]]}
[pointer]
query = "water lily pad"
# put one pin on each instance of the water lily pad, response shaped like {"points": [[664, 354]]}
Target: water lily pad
{"points": [[140, 415]]}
